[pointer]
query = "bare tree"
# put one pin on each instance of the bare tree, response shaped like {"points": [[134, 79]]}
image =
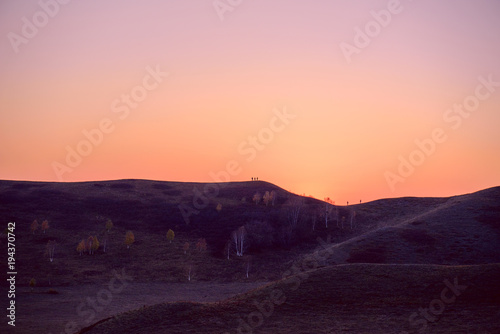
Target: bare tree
{"points": [[239, 240], [90, 241], [353, 217], [274, 197], [328, 210], [314, 218], [327, 213], [267, 198], [256, 198], [189, 271], [227, 249], [105, 241], [337, 216], [248, 265], [51, 247], [293, 210]]}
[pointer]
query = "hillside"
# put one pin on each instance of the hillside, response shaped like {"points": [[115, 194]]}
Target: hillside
{"points": [[452, 231], [375, 263], [457, 230], [358, 298], [76, 211]]}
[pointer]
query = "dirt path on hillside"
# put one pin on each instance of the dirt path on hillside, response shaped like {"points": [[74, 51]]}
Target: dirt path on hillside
{"points": [[39, 312]]}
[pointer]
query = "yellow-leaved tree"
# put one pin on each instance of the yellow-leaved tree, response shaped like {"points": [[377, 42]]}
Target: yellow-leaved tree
{"points": [[129, 239], [95, 244], [109, 225], [81, 247], [170, 235]]}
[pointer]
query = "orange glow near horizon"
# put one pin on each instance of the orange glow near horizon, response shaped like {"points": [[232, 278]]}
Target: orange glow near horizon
{"points": [[227, 81]]}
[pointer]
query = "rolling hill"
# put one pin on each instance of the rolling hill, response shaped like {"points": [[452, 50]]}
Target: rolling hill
{"points": [[367, 272], [357, 298]]}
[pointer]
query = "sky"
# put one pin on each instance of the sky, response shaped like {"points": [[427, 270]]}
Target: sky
{"points": [[352, 100]]}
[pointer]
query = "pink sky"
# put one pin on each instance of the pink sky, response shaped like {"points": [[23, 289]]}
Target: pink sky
{"points": [[352, 118]]}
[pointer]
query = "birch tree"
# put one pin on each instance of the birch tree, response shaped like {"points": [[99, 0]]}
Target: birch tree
{"points": [[95, 244], [109, 225], [274, 197], [327, 213], [105, 239], [239, 240], [34, 226], [337, 216], [90, 241], [293, 210], [170, 235], [189, 269], [328, 210], [201, 245], [314, 218], [45, 226], [267, 198], [80, 248], [51, 247], [256, 198], [129, 239], [353, 217], [227, 249], [186, 247], [248, 265]]}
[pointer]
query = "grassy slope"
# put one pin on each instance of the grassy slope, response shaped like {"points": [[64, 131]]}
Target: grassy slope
{"points": [[149, 209], [457, 230], [358, 298]]}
